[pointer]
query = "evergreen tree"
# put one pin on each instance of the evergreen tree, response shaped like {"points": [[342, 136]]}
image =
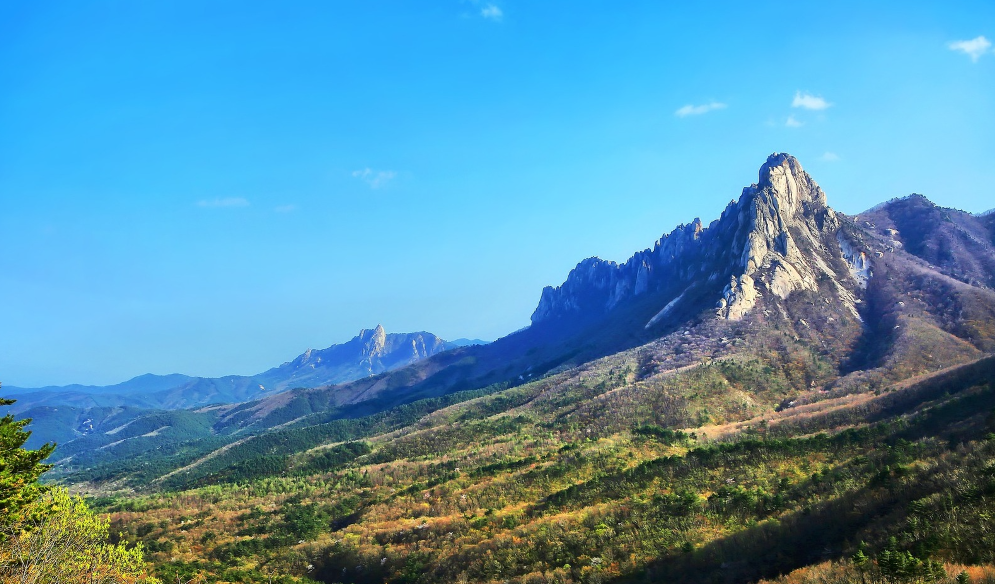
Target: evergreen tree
{"points": [[19, 468]]}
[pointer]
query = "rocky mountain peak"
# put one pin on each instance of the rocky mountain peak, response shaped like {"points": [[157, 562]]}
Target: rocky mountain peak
{"points": [[374, 341], [370, 352], [304, 358], [777, 238], [783, 219], [783, 176]]}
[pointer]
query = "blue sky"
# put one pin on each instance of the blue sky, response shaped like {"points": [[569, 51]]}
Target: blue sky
{"points": [[213, 187]]}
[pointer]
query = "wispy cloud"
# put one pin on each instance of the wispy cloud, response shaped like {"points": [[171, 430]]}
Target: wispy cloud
{"points": [[830, 157], [492, 12], [792, 122], [973, 48], [374, 178], [285, 208], [809, 101], [223, 202], [697, 110]]}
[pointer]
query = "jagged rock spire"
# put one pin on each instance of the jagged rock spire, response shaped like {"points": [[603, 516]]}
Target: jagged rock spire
{"points": [[785, 199], [773, 240]]}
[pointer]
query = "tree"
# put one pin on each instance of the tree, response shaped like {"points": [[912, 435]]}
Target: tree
{"points": [[47, 535], [19, 468], [62, 540], [861, 560]]}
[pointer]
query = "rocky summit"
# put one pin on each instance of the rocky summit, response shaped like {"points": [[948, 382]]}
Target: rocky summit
{"points": [[780, 236], [370, 352]]}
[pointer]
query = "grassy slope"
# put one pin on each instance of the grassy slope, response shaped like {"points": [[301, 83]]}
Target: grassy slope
{"points": [[570, 478], [799, 438]]}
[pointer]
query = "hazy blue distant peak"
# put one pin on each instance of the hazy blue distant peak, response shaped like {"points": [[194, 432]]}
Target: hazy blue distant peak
{"points": [[144, 382], [464, 342], [371, 352]]}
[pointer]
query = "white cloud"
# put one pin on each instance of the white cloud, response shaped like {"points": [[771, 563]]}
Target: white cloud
{"points": [[225, 202], [374, 178], [492, 12], [285, 208], [830, 157], [697, 110], [973, 48], [809, 101], [791, 122]]}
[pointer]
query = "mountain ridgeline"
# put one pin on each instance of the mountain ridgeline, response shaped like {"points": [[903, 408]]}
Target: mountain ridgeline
{"points": [[777, 259], [371, 352], [61, 414], [711, 410]]}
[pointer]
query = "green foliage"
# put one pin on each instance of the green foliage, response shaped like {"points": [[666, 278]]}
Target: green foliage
{"points": [[303, 521], [581, 478], [664, 435], [271, 451], [902, 566], [64, 541], [19, 468]]}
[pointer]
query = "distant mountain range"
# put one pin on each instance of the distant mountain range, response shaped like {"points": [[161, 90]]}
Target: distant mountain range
{"points": [[371, 352]]}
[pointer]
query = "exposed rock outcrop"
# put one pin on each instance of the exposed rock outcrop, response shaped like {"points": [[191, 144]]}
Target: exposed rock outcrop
{"points": [[784, 206], [778, 238], [370, 352]]}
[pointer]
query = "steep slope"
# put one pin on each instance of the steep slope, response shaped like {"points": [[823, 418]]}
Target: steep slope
{"points": [[776, 239], [780, 238], [595, 475], [958, 244]]}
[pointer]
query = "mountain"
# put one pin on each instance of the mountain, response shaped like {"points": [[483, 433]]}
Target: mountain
{"points": [[778, 260], [143, 383], [779, 276], [956, 243], [778, 238], [371, 352], [62, 414], [744, 400]]}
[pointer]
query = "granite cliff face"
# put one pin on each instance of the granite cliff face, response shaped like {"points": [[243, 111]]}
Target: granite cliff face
{"points": [[779, 237]]}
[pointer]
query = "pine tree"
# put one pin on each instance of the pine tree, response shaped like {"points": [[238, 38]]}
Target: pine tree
{"points": [[19, 468], [861, 560]]}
